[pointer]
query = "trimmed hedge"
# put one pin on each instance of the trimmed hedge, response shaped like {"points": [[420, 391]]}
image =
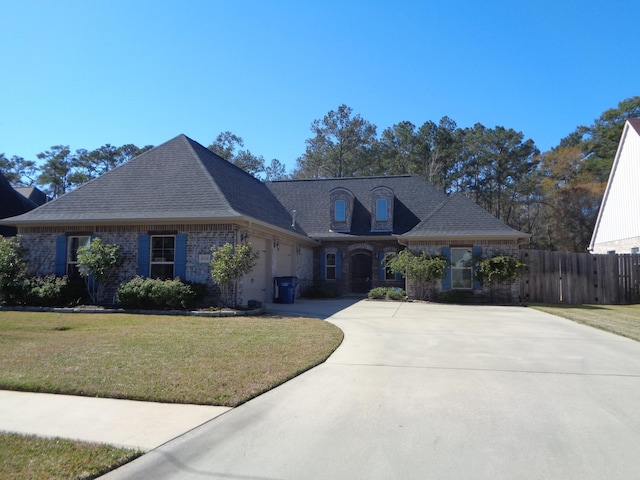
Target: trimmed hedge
{"points": [[154, 294]]}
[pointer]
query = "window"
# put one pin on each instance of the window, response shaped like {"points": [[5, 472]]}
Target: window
{"points": [[162, 256], [388, 274], [340, 211], [330, 266], [381, 210], [461, 268], [73, 244], [635, 250]]}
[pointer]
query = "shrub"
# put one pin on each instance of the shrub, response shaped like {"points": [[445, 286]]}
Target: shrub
{"points": [[378, 292], [391, 293], [13, 269], [150, 293], [396, 294], [48, 291], [418, 267], [320, 291], [500, 268]]}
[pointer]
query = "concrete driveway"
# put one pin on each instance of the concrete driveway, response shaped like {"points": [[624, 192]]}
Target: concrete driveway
{"points": [[426, 391]]}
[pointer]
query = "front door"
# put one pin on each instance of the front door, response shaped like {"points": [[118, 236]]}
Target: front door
{"points": [[361, 273]]}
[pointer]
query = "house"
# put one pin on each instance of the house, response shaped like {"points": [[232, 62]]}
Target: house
{"points": [[11, 203], [168, 206], [617, 228], [34, 194]]}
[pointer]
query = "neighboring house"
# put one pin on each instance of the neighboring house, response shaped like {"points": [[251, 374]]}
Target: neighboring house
{"points": [[617, 228], [169, 205], [34, 194], [11, 203]]}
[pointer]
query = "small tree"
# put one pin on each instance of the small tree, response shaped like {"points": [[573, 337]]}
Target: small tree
{"points": [[499, 271], [419, 267], [13, 269], [229, 263], [98, 264]]}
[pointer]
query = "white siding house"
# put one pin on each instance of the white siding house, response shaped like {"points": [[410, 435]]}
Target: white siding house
{"points": [[617, 228]]}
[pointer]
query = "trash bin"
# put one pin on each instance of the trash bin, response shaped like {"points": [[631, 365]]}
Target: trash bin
{"points": [[286, 289]]}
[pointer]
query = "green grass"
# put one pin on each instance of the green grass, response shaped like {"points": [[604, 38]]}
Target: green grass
{"points": [[208, 361], [619, 319], [25, 457]]}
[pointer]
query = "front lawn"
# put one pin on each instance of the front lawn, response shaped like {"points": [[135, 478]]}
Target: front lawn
{"points": [[25, 457], [619, 319], [209, 361]]}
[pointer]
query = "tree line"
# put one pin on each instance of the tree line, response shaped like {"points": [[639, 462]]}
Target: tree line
{"points": [[553, 195]]}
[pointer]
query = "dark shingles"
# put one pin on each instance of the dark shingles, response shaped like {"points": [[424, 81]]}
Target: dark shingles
{"points": [[459, 216], [182, 181], [11, 203], [414, 199], [179, 180]]}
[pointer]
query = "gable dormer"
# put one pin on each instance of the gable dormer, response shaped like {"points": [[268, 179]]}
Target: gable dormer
{"points": [[341, 210], [382, 209]]}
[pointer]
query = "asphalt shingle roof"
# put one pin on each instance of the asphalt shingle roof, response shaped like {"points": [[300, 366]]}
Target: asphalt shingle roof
{"points": [[11, 203], [460, 217], [179, 180], [182, 181]]}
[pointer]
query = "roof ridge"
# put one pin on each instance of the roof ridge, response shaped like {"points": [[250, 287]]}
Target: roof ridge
{"points": [[291, 180], [205, 170]]}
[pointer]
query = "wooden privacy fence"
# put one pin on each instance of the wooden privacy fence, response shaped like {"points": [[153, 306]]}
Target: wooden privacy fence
{"points": [[579, 278]]}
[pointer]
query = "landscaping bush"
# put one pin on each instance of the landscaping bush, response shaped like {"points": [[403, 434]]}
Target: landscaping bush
{"points": [[152, 294], [49, 291], [320, 291], [396, 294], [377, 293], [13, 270], [391, 293]]}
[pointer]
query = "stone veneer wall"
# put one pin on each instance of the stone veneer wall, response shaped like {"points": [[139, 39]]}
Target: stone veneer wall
{"points": [[490, 248]]}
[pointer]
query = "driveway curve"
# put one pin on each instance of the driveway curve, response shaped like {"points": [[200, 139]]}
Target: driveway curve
{"points": [[430, 391]]}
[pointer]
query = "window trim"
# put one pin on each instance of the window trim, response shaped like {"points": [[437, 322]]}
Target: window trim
{"points": [[343, 210], [382, 202], [333, 266], [153, 262], [468, 267], [71, 258]]}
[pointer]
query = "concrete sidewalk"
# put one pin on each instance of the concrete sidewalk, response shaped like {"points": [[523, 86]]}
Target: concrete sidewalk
{"points": [[125, 423]]}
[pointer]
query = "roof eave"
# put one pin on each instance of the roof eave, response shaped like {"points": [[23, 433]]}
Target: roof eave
{"points": [[520, 237]]}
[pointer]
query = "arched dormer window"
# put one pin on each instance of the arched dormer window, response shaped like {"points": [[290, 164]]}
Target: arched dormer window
{"points": [[382, 209], [341, 209]]}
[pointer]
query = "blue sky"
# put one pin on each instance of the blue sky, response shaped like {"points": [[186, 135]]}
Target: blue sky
{"points": [[86, 73]]}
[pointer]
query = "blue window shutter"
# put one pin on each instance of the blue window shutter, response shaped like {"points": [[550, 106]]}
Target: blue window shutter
{"points": [[446, 280], [61, 255], [323, 273], [338, 266], [143, 255], [476, 252], [381, 275], [180, 265]]}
